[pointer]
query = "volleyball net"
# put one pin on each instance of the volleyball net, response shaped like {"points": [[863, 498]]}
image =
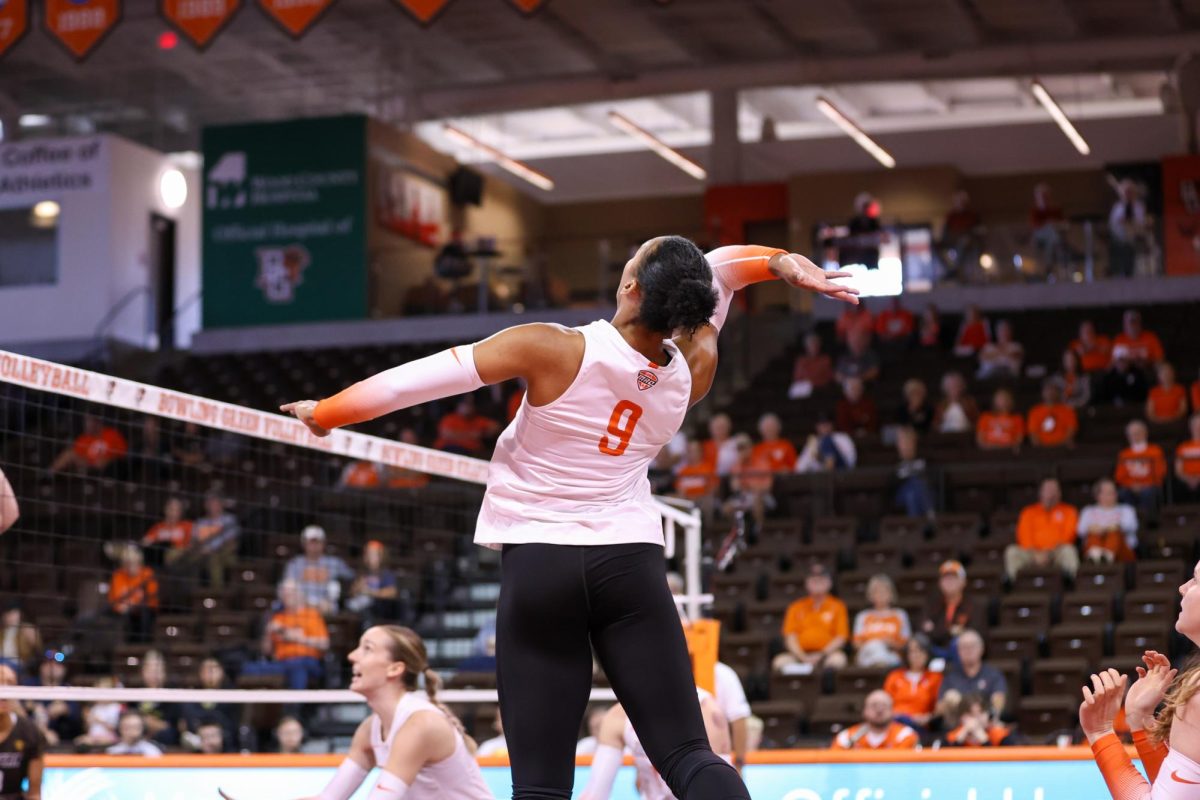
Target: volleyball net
{"points": [[158, 522]]}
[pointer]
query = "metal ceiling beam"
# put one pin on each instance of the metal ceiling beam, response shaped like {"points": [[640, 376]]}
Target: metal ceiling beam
{"points": [[1172, 11], [1100, 54], [697, 50], [972, 20], [778, 30], [615, 67]]}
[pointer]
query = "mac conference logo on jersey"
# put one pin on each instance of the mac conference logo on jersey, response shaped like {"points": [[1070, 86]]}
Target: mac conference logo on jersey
{"points": [[646, 379]]}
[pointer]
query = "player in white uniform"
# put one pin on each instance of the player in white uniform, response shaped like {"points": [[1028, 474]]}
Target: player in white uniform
{"points": [[617, 735], [568, 502], [415, 741]]}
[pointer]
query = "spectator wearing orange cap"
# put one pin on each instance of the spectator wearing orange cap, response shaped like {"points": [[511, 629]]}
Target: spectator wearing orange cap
{"points": [[1045, 534], [1001, 428], [1141, 469], [1052, 423], [1187, 465], [1168, 400]]}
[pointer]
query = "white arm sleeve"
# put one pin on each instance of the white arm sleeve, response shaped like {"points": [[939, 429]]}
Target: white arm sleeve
{"points": [[348, 778], [389, 787], [603, 774], [443, 374]]}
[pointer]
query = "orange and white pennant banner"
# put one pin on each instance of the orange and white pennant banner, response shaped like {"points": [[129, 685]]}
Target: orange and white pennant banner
{"points": [[14, 23], [199, 20], [423, 11], [80, 25], [528, 6], [296, 17]]}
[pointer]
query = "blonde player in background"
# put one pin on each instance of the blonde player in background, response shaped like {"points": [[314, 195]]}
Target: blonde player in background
{"points": [[1169, 743], [416, 742], [9, 510], [568, 501]]}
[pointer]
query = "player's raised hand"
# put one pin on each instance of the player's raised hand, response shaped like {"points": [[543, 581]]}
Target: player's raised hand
{"points": [[303, 411], [1101, 703], [1149, 689], [802, 273]]}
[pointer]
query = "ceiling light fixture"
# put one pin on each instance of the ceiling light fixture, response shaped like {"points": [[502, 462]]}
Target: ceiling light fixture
{"points": [[1060, 117], [657, 145], [172, 188], [33, 120], [851, 129], [522, 171]]}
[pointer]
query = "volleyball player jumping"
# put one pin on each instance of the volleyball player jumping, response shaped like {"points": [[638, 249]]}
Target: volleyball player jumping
{"points": [[569, 503]]}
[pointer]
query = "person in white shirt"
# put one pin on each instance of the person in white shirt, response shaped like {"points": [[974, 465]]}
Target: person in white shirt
{"points": [[827, 450], [1108, 529], [132, 730]]}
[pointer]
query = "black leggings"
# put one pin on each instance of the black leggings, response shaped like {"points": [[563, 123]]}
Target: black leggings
{"points": [[557, 603]]}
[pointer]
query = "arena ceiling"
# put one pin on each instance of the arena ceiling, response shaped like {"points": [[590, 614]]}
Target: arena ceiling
{"points": [[902, 67]]}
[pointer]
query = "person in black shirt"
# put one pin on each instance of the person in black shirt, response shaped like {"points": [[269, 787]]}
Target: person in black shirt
{"points": [[21, 749]]}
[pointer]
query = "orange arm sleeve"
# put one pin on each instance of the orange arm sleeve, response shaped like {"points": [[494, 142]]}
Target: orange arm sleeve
{"points": [[1151, 754], [738, 266], [1123, 779]]}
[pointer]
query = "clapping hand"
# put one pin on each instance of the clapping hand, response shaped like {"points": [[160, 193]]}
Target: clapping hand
{"points": [[1101, 704], [1149, 689]]}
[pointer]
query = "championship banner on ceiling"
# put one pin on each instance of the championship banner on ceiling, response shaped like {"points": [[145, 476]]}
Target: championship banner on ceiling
{"points": [[423, 11], [528, 6], [1181, 214], [14, 23], [199, 20], [295, 16], [80, 25]]}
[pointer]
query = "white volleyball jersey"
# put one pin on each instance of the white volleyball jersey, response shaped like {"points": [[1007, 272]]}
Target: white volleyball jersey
{"points": [[573, 471], [456, 777]]}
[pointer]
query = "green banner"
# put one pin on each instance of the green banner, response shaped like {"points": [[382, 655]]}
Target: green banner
{"points": [[285, 222]]}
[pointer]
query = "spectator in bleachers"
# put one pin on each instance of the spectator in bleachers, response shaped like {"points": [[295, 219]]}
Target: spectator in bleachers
{"points": [[977, 727], [750, 483], [1108, 528], [1046, 532], [1046, 228], [1074, 386], [1052, 423], [10, 511], [895, 325], [854, 319], [956, 412], [168, 538], [857, 413], [296, 640], [929, 329], [1094, 350], [697, 478], [1141, 469], [93, 450], [881, 631], [970, 675], [58, 720], [215, 539], [133, 742], [161, 719], [1168, 400], [1000, 428], [1124, 383], [1128, 228], [1003, 357], [912, 685], [912, 490], [361, 475], [1187, 464], [133, 594], [1144, 347], [916, 411], [951, 611], [497, 745], [859, 360], [774, 452], [878, 730], [973, 334], [464, 430], [962, 240], [813, 369], [211, 676], [20, 640], [375, 593], [211, 738], [720, 449], [316, 573], [289, 736], [861, 245], [403, 477], [595, 718], [827, 450], [187, 446], [816, 628], [101, 719]]}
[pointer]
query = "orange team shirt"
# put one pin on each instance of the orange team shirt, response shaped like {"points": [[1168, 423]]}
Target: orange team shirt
{"points": [[1039, 529], [1146, 347], [913, 698], [854, 320], [97, 450], [898, 737], [1095, 358], [1052, 425], [1188, 454], [1168, 403], [996, 735], [307, 620], [176, 534], [816, 626], [362, 475], [753, 476], [778, 456], [891, 324], [1141, 470], [126, 591], [885, 625], [474, 428], [1000, 430], [696, 480], [974, 336]]}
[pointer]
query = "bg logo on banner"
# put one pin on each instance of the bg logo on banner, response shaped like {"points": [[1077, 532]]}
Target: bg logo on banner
{"points": [[199, 20], [80, 25], [295, 16], [14, 23]]}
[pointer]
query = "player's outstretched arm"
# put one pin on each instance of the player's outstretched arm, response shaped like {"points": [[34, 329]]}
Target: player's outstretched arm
{"points": [[535, 352], [737, 266]]}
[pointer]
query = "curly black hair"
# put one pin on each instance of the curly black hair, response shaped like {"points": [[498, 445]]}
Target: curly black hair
{"points": [[676, 284]]}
